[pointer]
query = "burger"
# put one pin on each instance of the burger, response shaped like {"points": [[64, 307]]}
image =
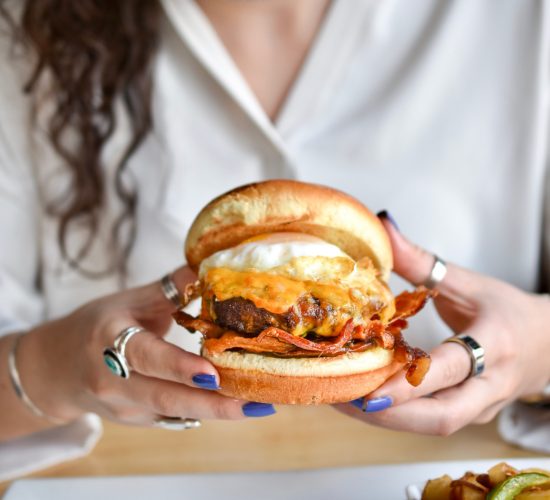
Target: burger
{"points": [[295, 303]]}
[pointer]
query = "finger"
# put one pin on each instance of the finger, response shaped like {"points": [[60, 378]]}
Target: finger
{"points": [[450, 366], [176, 400], [150, 300], [154, 357], [121, 408], [442, 414], [134, 417], [414, 264]]}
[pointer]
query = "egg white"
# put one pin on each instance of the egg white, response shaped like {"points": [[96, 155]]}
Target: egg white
{"points": [[269, 252]]}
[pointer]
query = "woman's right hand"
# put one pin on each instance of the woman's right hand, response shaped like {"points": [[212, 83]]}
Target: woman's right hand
{"points": [[63, 372]]}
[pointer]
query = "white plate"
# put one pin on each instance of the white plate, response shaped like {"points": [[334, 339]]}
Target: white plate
{"points": [[382, 482]]}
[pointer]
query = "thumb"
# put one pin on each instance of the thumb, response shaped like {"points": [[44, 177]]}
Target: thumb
{"points": [[415, 264]]}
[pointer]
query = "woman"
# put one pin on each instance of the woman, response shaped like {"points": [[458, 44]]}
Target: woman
{"points": [[146, 110]]}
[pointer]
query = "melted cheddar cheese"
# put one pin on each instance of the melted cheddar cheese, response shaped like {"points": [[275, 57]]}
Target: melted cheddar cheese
{"points": [[278, 293], [283, 271]]}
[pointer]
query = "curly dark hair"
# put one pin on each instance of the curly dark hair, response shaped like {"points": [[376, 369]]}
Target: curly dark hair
{"points": [[97, 54]]}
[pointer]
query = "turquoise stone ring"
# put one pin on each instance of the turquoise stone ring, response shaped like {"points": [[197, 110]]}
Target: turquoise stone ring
{"points": [[114, 356], [115, 363]]}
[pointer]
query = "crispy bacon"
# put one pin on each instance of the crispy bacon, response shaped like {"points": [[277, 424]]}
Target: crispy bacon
{"points": [[396, 325], [273, 346], [322, 347], [207, 328], [351, 338], [281, 343], [232, 340], [373, 329], [376, 331], [409, 303], [417, 362], [418, 367]]}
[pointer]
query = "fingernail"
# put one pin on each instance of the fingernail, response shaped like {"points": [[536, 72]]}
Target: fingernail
{"points": [[372, 405], [384, 214], [206, 381], [258, 409], [378, 404], [358, 403]]}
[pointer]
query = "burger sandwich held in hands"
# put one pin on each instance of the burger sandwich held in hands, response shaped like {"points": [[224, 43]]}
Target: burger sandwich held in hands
{"points": [[295, 305]]}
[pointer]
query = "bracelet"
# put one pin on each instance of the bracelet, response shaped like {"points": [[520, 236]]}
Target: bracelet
{"points": [[18, 387]]}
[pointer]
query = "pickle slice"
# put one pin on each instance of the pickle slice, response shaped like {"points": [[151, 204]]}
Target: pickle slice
{"points": [[513, 486]]}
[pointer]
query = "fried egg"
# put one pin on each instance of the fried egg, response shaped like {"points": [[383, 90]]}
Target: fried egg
{"points": [[267, 252]]}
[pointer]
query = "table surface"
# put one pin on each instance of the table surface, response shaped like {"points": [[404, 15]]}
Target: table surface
{"points": [[294, 438]]}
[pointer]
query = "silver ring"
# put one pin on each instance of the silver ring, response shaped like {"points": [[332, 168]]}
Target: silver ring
{"points": [[475, 351], [115, 358], [170, 290], [437, 273], [176, 423]]}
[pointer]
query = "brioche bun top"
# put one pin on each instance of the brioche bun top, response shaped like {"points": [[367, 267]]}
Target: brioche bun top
{"points": [[289, 206]]}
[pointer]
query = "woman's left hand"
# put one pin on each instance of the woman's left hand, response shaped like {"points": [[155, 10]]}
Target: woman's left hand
{"points": [[511, 325]]}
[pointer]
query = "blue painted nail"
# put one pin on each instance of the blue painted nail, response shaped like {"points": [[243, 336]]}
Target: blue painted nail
{"points": [[378, 404], [358, 403], [205, 381], [384, 214], [372, 405], [258, 409]]}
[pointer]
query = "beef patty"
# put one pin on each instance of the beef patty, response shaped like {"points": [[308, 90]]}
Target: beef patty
{"points": [[241, 315]]}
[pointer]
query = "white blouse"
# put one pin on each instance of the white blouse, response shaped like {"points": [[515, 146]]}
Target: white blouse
{"points": [[436, 111]]}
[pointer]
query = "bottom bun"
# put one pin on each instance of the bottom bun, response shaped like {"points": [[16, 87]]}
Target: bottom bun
{"points": [[305, 381]]}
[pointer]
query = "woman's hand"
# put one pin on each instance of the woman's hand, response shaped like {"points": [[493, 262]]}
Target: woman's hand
{"points": [[511, 325], [63, 371]]}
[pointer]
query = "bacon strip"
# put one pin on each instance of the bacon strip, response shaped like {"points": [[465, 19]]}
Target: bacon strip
{"points": [[232, 340], [396, 325], [281, 343], [418, 367], [207, 328], [409, 303], [373, 329], [323, 347], [417, 362], [376, 331], [351, 338], [271, 345]]}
